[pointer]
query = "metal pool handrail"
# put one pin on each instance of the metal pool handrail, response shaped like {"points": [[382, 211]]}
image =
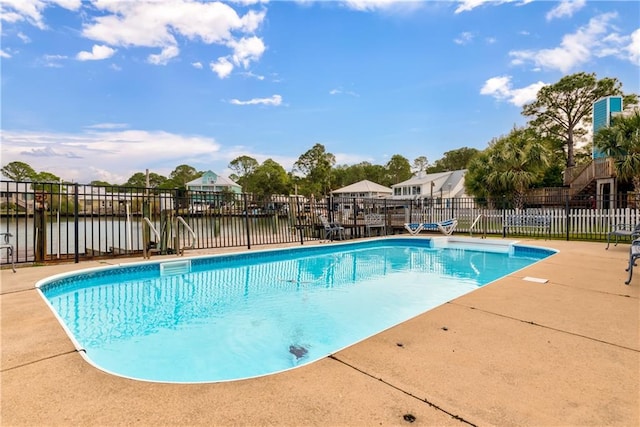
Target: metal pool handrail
{"points": [[151, 226], [475, 222], [193, 234]]}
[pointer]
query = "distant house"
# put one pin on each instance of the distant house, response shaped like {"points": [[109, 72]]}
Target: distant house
{"points": [[205, 191], [212, 182], [364, 189], [20, 194], [441, 185]]}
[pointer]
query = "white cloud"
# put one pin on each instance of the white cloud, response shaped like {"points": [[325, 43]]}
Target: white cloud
{"points": [[634, 47], [163, 57], [121, 152], [340, 91], [252, 75], [161, 24], [497, 86], [468, 5], [519, 97], [500, 88], [246, 50], [31, 10], [98, 52], [24, 37], [223, 67], [274, 100], [4, 54], [197, 65], [577, 49], [252, 20], [385, 5], [566, 8], [464, 38], [248, 2], [53, 60]]}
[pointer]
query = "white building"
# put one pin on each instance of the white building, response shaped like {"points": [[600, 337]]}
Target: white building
{"points": [[364, 189], [441, 185]]}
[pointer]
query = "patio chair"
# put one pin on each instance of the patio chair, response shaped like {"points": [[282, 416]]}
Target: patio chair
{"points": [[331, 229], [6, 244], [375, 220], [634, 254], [625, 231], [445, 227]]}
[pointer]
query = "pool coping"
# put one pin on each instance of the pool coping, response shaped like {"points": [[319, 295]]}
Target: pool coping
{"points": [[514, 352]]}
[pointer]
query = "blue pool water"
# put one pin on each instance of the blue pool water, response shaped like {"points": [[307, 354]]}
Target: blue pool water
{"points": [[218, 318]]}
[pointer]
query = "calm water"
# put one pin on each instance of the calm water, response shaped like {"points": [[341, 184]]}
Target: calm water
{"points": [[239, 316], [101, 234]]}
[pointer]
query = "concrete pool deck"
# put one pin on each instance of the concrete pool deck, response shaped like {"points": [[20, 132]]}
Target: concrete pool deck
{"points": [[513, 353]]}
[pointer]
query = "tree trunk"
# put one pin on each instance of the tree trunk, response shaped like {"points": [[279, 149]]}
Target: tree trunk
{"points": [[570, 155], [518, 199]]}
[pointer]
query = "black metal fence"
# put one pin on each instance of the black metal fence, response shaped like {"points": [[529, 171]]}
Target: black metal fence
{"points": [[51, 222]]}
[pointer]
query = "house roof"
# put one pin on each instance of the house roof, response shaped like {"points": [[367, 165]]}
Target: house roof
{"points": [[210, 178], [451, 183], [364, 186]]}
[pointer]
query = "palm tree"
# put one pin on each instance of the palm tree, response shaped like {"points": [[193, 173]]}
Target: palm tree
{"points": [[516, 162], [621, 141]]}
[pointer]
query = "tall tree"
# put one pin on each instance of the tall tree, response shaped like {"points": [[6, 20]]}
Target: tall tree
{"points": [[420, 164], [46, 177], [267, 179], [243, 167], [621, 141], [454, 160], [183, 174], [398, 169], [139, 180], [315, 165], [18, 171], [562, 111]]}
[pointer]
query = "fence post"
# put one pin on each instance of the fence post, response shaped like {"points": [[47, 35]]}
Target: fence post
{"points": [[567, 219], [504, 216], [246, 220], [298, 222], [76, 225], [40, 226]]}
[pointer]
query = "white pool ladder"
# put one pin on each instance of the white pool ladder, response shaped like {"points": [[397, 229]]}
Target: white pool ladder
{"points": [[155, 233], [475, 222], [194, 238]]}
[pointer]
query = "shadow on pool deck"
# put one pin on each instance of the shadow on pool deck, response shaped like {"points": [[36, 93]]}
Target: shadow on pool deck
{"points": [[511, 353]]}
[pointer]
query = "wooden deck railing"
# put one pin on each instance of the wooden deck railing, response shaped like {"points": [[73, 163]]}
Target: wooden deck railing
{"points": [[596, 169]]}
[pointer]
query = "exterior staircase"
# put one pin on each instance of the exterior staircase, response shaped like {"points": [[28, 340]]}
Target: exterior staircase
{"points": [[583, 179], [581, 183]]}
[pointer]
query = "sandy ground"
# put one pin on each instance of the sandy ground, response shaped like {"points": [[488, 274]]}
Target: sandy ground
{"points": [[513, 353]]}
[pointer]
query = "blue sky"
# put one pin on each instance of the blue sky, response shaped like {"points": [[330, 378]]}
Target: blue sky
{"points": [[100, 90]]}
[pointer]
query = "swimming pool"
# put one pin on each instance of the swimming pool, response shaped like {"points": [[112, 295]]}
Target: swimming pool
{"points": [[228, 317]]}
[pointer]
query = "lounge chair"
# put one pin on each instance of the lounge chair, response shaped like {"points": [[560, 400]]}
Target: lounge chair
{"points": [[634, 254], [623, 230], [331, 229], [445, 227], [5, 244]]}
